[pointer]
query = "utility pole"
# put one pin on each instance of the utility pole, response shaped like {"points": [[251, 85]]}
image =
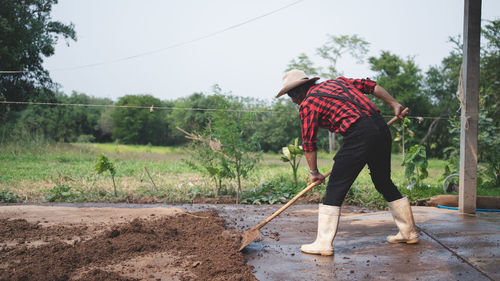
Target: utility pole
{"points": [[470, 107]]}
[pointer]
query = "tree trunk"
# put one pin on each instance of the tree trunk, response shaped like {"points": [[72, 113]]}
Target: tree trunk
{"points": [[432, 127]]}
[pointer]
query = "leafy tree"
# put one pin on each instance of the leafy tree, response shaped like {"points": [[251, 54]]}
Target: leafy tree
{"points": [[336, 47], [190, 119], [280, 126], [27, 35], [205, 157], [139, 125], [304, 63], [489, 106], [60, 123], [239, 151], [440, 86]]}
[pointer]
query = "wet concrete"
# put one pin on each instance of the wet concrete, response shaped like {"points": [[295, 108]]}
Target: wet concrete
{"points": [[452, 246]]}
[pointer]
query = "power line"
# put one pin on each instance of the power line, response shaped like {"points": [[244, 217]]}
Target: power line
{"points": [[165, 48], [152, 108]]}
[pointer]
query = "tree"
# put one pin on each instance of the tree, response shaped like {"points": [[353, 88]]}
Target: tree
{"points": [[27, 35], [139, 125], [305, 64], [440, 86], [489, 107], [60, 123], [239, 151], [280, 126], [191, 114], [336, 47]]}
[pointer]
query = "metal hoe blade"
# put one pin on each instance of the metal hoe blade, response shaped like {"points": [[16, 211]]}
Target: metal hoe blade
{"points": [[249, 237]]}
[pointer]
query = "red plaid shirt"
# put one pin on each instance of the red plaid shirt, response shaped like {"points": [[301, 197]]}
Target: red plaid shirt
{"points": [[333, 114]]}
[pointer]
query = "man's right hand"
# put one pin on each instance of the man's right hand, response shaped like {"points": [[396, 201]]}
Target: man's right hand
{"points": [[398, 111], [318, 177]]}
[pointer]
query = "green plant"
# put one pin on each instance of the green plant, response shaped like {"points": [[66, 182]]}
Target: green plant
{"points": [[239, 150], [205, 157], [8, 197], [59, 193], [277, 190], [401, 131], [103, 165], [415, 163], [293, 154]]}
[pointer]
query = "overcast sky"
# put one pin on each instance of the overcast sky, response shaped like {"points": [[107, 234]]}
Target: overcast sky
{"points": [[248, 60]]}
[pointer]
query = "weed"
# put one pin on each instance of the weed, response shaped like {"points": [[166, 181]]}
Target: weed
{"points": [[7, 196], [278, 190], [60, 193]]}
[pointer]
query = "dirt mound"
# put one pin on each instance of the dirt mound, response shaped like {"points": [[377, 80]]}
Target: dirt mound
{"points": [[182, 247]]}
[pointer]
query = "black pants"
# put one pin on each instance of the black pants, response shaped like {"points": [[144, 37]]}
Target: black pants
{"points": [[368, 141]]}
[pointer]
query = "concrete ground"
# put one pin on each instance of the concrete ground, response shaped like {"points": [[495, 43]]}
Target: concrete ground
{"points": [[452, 246]]}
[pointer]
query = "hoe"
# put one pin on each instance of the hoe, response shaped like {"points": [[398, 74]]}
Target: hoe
{"points": [[252, 234]]}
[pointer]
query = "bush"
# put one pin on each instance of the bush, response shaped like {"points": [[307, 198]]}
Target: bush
{"points": [[278, 190], [59, 193], [85, 138], [7, 196]]}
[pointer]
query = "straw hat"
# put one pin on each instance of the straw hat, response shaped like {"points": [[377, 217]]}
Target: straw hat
{"points": [[292, 79]]}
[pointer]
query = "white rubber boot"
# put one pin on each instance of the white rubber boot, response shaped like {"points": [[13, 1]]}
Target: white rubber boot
{"points": [[328, 221], [403, 217]]}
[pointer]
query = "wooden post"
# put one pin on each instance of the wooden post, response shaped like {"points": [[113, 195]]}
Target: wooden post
{"points": [[470, 105], [331, 142]]}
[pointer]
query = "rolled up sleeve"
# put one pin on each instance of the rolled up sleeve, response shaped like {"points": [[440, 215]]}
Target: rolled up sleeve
{"points": [[364, 85], [309, 127]]}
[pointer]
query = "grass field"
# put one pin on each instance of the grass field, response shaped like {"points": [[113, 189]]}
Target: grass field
{"points": [[65, 172]]}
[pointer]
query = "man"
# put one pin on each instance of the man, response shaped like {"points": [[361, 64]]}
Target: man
{"points": [[341, 106]]}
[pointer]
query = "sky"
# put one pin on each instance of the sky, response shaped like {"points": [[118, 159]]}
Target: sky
{"points": [[172, 49]]}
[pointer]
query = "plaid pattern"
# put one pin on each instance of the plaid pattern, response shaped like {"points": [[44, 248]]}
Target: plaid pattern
{"points": [[333, 114]]}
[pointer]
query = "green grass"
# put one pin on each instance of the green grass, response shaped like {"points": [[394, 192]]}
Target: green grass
{"points": [[65, 172]]}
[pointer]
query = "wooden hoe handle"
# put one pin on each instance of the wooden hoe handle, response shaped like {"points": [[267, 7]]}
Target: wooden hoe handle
{"points": [[264, 222], [396, 118]]}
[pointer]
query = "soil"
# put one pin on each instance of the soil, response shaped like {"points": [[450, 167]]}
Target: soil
{"points": [[157, 246]]}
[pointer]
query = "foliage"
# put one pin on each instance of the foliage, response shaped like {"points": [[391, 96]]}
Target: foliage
{"points": [[103, 164], [489, 110], [8, 196], [139, 125], [366, 197], [335, 48], [191, 120], [415, 163], [27, 35], [402, 131], [277, 190], [280, 126], [59, 123], [59, 193], [292, 154], [239, 151], [204, 158]]}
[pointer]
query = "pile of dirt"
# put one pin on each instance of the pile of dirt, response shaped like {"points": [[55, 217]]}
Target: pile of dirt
{"points": [[182, 247]]}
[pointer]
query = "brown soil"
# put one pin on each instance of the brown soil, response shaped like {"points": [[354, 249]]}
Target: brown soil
{"points": [[183, 246]]}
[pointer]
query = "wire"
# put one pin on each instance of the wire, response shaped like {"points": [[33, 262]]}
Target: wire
{"points": [[165, 48], [152, 108]]}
